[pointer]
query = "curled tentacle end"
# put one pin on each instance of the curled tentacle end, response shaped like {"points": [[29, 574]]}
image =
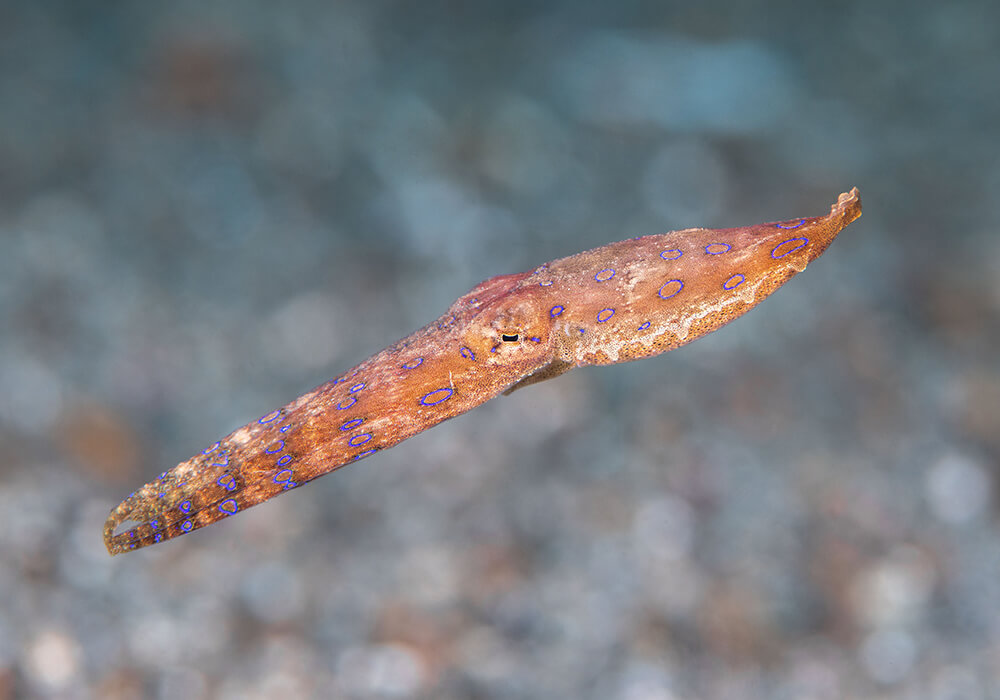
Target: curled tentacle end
{"points": [[128, 514]]}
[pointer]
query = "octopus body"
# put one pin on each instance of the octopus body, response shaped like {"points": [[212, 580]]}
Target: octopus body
{"points": [[623, 301]]}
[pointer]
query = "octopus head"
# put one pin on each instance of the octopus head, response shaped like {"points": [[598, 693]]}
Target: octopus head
{"points": [[510, 330]]}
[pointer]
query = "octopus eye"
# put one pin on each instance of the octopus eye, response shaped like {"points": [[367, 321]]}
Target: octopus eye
{"points": [[509, 338]]}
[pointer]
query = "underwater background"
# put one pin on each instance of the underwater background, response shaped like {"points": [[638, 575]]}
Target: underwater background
{"points": [[208, 208]]}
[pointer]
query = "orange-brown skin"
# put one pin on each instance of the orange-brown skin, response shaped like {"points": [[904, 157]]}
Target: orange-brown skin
{"points": [[620, 302]]}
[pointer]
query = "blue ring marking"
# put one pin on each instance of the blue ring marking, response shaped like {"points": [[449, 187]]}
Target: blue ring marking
{"points": [[227, 504], [224, 462], [547, 283], [534, 339], [674, 253], [644, 326], [155, 524], [600, 275], [733, 282], [803, 244], [673, 293], [286, 428], [232, 482], [359, 439], [801, 221], [426, 399], [725, 248], [413, 364], [582, 331], [364, 454], [211, 449], [599, 315], [285, 459], [343, 404], [352, 424], [274, 452], [357, 387], [467, 353], [270, 417], [158, 537], [286, 481], [556, 310], [186, 526], [185, 506]]}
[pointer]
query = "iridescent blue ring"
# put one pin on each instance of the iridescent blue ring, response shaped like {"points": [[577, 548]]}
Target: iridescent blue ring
{"points": [[281, 446], [801, 221], [285, 459], [357, 387], [601, 318], [221, 481], [347, 403], [674, 253], [725, 248], [186, 526], [556, 310], [435, 397], [804, 242], [269, 417], [644, 326], [602, 277], [185, 506], [229, 506], [352, 424], [413, 364], [467, 353], [359, 439], [733, 282], [365, 453], [680, 286]]}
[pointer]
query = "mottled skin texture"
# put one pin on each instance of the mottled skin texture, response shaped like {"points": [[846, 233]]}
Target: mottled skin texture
{"points": [[620, 302]]}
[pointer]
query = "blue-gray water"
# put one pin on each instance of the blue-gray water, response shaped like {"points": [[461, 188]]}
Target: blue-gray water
{"points": [[207, 208]]}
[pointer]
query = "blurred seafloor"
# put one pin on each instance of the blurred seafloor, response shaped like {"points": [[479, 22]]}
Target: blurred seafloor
{"points": [[207, 208]]}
